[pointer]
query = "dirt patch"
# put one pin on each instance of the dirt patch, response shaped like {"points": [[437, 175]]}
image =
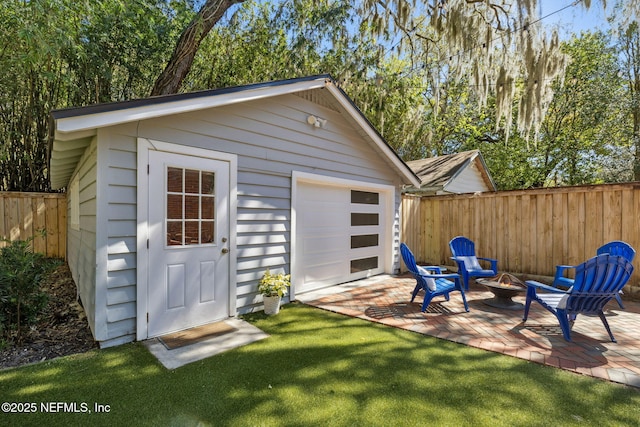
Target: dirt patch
{"points": [[62, 329]]}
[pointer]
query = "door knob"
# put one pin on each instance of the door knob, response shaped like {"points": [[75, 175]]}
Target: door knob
{"points": [[225, 250]]}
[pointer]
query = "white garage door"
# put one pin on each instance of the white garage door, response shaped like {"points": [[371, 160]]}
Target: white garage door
{"points": [[340, 234]]}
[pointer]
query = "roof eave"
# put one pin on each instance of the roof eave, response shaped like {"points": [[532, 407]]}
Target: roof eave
{"points": [[68, 121], [485, 172]]}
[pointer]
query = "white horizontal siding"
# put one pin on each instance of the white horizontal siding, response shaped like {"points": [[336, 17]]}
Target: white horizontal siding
{"points": [[262, 263], [262, 250], [121, 223], [261, 179], [263, 217], [252, 239], [123, 331], [121, 211], [119, 262], [121, 194], [122, 245], [120, 311], [271, 142], [81, 243], [121, 295], [122, 176], [122, 228], [120, 278], [263, 203], [468, 181], [261, 227], [87, 196]]}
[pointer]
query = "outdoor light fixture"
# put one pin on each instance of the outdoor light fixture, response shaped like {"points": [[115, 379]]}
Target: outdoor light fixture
{"points": [[316, 121]]}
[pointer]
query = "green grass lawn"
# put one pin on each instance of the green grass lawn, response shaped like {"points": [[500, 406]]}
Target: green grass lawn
{"points": [[318, 369]]}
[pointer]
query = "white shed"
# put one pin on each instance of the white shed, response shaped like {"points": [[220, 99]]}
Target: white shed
{"points": [[178, 204], [458, 173]]}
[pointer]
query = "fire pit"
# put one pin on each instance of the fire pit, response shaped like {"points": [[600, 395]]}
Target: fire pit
{"points": [[503, 287]]}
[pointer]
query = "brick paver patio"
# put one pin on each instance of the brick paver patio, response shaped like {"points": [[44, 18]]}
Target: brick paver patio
{"points": [[539, 340]]}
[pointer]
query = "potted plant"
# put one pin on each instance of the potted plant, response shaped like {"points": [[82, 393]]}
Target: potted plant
{"points": [[273, 287]]}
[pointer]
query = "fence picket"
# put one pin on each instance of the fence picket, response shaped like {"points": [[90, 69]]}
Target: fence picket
{"points": [[529, 231], [23, 215]]}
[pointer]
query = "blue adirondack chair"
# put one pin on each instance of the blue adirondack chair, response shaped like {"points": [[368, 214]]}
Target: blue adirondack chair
{"points": [[597, 281], [434, 284], [464, 254], [616, 247]]}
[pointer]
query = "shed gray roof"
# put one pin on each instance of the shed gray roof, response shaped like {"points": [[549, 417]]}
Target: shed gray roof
{"points": [[437, 172]]}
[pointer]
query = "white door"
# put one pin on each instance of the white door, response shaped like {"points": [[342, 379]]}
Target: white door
{"points": [[188, 242], [340, 234]]}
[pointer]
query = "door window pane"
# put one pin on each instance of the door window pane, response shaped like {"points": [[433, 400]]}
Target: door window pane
{"points": [[208, 181], [190, 210], [174, 206], [207, 208], [174, 180], [192, 207], [174, 233], [191, 181], [191, 233], [206, 230]]}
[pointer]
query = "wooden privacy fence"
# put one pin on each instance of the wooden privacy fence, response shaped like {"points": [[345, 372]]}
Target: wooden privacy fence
{"points": [[23, 215], [528, 231]]}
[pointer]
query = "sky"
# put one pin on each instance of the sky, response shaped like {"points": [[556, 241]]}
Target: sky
{"points": [[573, 19]]}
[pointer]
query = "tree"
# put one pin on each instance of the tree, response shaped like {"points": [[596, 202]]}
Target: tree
{"points": [[494, 41], [187, 46], [61, 53], [497, 44], [630, 49], [582, 124], [581, 139], [33, 77], [268, 41]]}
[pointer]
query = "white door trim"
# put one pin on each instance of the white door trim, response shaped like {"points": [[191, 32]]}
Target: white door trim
{"points": [[387, 238], [144, 145]]}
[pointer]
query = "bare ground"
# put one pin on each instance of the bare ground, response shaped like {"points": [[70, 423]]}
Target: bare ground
{"points": [[61, 331]]}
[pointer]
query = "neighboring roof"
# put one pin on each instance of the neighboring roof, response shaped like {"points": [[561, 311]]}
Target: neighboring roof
{"points": [[436, 173], [73, 128]]}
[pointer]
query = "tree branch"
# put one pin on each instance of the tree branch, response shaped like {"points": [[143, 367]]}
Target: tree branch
{"points": [[180, 62]]}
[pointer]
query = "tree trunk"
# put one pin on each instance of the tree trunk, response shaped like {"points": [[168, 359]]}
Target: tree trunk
{"points": [[179, 64]]}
